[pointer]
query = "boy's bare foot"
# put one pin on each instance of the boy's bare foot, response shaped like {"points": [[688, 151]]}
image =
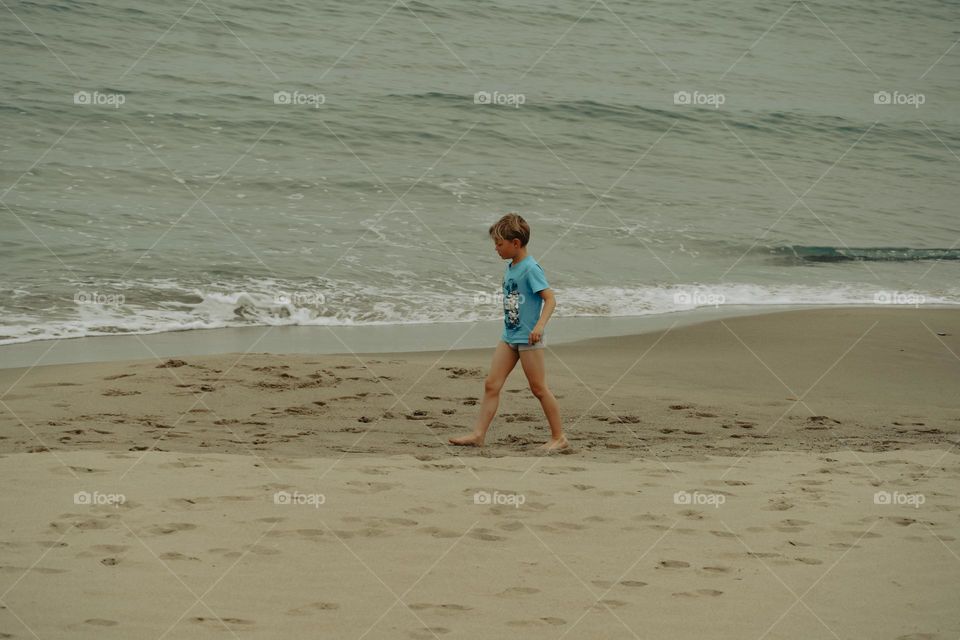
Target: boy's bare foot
{"points": [[472, 440], [554, 445]]}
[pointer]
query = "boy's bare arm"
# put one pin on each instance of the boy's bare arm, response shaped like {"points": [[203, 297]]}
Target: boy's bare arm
{"points": [[549, 304]]}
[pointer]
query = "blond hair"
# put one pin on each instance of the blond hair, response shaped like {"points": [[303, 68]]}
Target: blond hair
{"points": [[511, 227]]}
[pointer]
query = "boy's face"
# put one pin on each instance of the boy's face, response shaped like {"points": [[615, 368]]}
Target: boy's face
{"points": [[506, 248]]}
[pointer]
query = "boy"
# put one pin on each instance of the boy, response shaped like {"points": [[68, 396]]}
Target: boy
{"points": [[525, 294]]}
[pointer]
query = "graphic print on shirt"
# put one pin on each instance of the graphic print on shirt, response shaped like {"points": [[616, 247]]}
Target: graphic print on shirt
{"points": [[511, 305]]}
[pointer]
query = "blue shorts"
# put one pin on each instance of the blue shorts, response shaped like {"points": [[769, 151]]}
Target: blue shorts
{"points": [[523, 346]]}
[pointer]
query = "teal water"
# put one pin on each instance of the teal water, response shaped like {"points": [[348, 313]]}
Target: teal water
{"points": [[192, 166]]}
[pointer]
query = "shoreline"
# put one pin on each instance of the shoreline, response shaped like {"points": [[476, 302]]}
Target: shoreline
{"points": [[334, 340]]}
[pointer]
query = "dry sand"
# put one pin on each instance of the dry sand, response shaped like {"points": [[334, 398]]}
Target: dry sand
{"points": [[777, 431]]}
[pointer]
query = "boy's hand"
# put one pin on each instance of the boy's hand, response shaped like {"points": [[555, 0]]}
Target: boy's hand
{"points": [[536, 335]]}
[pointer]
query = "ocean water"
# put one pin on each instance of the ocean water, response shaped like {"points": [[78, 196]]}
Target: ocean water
{"points": [[168, 166]]}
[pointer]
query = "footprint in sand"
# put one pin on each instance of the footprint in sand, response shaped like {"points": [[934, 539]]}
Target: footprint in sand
{"points": [[87, 470], [437, 532], [171, 364], [218, 623], [313, 607], [172, 527], [460, 372], [369, 487], [647, 517], [96, 622], [716, 570], [419, 606], [54, 384], [176, 555], [843, 545], [698, 593], [185, 503], [301, 411], [537, 623], [605, 603], [903, 522], [84, 524], [485, 534], [673, 564], [427, 633], [815, 483], [632, 583]]}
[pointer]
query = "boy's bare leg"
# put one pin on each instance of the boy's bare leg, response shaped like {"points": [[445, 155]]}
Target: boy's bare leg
{"points": [[504, 360], [533, 363]]}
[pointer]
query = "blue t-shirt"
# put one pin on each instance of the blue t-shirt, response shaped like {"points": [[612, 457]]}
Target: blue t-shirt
{"points": [[521, 301]]}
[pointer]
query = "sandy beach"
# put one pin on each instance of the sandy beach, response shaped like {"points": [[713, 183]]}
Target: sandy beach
{"points": [[790, 475], [258, 259]]}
